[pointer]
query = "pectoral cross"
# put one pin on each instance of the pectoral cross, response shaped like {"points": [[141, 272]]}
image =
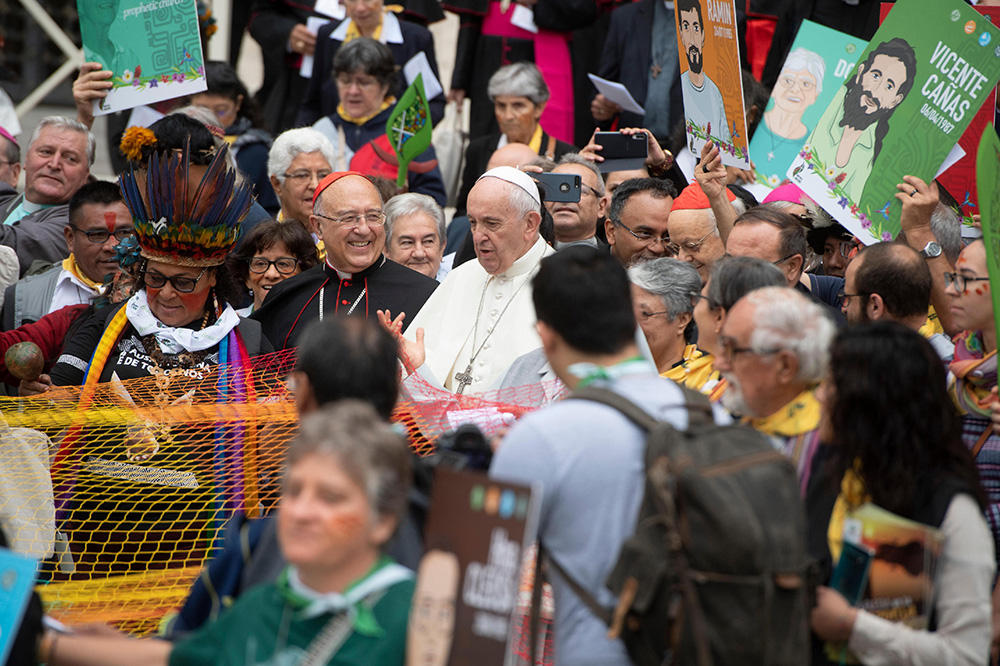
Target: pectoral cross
{"points": [[464, 379], [655, 70]]}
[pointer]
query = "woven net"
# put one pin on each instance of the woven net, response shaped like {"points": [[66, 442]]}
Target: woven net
{"points": [[122, 490]]}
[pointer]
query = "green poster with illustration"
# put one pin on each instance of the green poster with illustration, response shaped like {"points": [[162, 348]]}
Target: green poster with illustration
{"points": [[914, 90], [152, 48], [818, 63], [988, 184]]}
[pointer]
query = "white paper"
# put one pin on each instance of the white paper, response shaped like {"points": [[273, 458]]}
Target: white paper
{"points": [[617, 93], [331, 8], [143, 116], [418, 64], [524, 18], [954, 156], [489, 420], [313, 23]]}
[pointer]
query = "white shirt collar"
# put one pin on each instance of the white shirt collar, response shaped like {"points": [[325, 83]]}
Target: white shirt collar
{"points": [[391, 32], [527, 261]]}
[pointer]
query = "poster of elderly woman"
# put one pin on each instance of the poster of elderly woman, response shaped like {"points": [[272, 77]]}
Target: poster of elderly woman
{"points": [[819, 61]]}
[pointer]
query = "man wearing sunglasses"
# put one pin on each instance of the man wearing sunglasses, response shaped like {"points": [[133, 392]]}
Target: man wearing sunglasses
{"points": [[98, 221]]}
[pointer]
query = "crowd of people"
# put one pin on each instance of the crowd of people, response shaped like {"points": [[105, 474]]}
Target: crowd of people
{"points": [[245, 224]]}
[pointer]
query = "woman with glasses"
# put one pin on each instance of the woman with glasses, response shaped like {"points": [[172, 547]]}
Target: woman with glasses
{"points": [[268, 255], [144, 490], [973, 373], [365, 74]]}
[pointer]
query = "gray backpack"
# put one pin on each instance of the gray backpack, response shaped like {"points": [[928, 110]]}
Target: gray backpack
{"points": [[717, 571]]}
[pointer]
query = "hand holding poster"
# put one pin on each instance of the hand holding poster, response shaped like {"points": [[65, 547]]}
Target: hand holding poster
{"points": [[915, 89], [711, 79], [819, 61], [152, 48]]}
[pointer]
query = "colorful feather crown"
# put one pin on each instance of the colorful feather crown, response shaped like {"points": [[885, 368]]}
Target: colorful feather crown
{"points": [[177, 226]]}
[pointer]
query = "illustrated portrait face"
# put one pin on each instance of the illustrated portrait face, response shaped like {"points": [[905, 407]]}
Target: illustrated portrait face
{"points": [[796, 90], [880, 85], [432, 618], [692, 35]]}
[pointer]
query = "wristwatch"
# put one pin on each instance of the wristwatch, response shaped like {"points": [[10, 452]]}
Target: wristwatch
{"points": [[931, 250]]}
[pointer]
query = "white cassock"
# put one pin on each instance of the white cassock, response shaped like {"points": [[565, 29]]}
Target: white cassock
{"points": [[457, 329]]}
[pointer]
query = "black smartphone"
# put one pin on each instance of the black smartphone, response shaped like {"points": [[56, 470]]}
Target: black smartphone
{"points": [[851, 575], [622, 152], [559, 186]]}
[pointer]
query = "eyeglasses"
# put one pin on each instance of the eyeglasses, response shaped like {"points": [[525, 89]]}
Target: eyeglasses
{"points": [[180, 283], [361, 82], [783, 259], [284, 265], [847, 249], [646, 316], [730, 349], [587, 189], [961, 281], [690, 248], [371, 218], [698, 297], [645, 237], [845, 299], [307, 176], [102, 235]]}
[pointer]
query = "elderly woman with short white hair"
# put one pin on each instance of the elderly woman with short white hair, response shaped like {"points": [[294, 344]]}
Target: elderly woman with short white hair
{"points": [[663, 292], [298, 160]]}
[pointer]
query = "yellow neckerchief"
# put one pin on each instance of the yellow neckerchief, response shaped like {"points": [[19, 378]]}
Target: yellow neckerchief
{"points": [[69, 265], [353, 32], [389, 101], [852, 495], [536, 140], [797, 417], [932, 325], [321, 250], [280, 216], [694, 370]]}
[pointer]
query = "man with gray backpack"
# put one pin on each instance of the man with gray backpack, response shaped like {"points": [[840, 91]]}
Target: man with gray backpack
{"points": [[669, 537]]}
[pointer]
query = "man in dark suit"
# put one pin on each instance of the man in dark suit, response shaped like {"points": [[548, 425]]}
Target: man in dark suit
{"points": [[641, 53]]}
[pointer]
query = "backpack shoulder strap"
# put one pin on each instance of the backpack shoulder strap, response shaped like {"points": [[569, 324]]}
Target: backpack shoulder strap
{"points": [[698, 406]]}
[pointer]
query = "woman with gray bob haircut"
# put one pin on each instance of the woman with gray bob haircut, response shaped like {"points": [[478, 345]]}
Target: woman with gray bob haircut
{"points": [[520, 79], [662, 301]]}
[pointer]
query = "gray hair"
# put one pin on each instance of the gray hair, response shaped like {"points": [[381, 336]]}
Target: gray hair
{"points": [[520, 79], [946, 226], [369, 56], [810, 61], [410, 203], [674, 281], [366, 447], [785, 319], [732, 278], [62, 122], [519, 199], [575, 158], [290, 144]]}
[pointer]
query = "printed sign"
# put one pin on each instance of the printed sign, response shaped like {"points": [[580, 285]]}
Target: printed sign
{"points": [[914, 90], [818, 63], [17, 578], [711, 80], [988, 179], [152, 48], [467, 582]]}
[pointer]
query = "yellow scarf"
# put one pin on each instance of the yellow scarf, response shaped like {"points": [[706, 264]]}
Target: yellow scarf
{"points": [[852, 496], [536, 140], [353, 32], [932, 325], [389, 101], [69, 264], [799, 416], [694, 370]]}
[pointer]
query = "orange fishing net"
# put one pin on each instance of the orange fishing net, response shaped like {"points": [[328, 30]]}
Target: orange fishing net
{"points": [[124, 500]]}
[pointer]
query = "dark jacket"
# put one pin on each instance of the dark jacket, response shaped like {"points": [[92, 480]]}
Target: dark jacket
{"points": [[37, 236]]}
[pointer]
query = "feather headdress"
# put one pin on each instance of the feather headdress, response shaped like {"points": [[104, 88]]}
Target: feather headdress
{"points": [[179, 224]]}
